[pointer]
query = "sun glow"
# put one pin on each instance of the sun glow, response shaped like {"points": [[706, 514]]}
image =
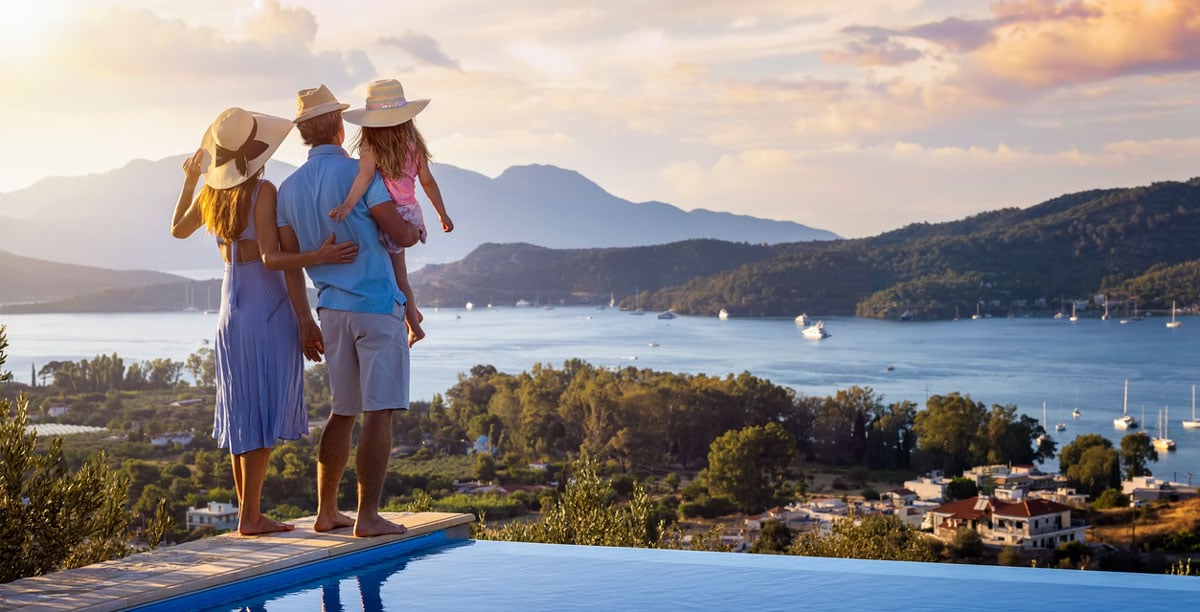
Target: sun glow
{"points": [[28, 27]]}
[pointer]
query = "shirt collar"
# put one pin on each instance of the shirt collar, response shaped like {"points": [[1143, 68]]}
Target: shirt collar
{"points": [[327, 149]]}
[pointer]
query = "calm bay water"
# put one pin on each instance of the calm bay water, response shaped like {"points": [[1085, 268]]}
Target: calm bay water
{"points": [[997, 361]]}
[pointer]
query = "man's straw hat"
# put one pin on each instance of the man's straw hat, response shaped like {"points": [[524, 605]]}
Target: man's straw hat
{"points": [[316, 101]]}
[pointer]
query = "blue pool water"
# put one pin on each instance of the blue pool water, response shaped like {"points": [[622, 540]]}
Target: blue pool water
{"points": [[481, 575]]}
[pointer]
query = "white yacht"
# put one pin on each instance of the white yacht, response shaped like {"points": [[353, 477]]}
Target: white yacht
{"points": [[667, 315], [816, 331], [723, 314], [802, 320], [1125, 421]]}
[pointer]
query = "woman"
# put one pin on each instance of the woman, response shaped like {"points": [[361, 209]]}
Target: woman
{"points": [[260, 366]]}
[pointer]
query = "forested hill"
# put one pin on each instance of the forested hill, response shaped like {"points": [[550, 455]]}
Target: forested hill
{"points": [[505, 273], [1133, 244]]}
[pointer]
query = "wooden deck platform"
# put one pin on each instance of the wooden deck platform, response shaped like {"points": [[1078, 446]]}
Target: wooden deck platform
{"points": [[153, 576]]}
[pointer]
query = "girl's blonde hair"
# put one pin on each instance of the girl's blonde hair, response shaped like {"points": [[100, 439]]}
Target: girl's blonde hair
{"points": [[227, 211], [392, 147]]}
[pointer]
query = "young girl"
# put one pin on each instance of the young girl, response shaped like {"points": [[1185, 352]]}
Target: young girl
{"points": [[390, 143]]}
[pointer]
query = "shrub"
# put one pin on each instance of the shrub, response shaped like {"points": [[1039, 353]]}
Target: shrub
{"points": [[1111, 498]]}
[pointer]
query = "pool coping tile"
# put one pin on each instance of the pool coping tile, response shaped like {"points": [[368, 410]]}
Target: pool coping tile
{"points": [[164, 573]]}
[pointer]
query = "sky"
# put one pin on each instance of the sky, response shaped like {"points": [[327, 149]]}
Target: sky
{"points": [[856, 117]]}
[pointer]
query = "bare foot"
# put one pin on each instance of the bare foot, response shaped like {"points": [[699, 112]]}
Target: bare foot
{"points": [[366, 528], [327, 523], [264, 524]]}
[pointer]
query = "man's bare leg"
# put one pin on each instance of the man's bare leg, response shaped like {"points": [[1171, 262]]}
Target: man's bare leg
{"points": [[332, 455], [371, 459]]}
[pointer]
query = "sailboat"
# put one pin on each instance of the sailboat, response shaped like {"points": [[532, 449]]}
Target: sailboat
{"points": [[1161, 440], [1074, 317], [1173, 322], [1044, 437], [1125, 421], [1061, 425], [1104, 317], [1192, 423], [976, 315]]}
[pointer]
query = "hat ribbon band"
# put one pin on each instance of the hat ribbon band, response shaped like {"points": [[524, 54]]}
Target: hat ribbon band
{"points": [[241, 157], [396, 104]]}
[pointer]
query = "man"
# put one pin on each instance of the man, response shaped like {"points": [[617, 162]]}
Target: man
{"points": [[360, 307]]}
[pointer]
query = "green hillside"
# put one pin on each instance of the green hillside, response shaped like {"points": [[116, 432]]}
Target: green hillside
{"points": [[1133, 244]]}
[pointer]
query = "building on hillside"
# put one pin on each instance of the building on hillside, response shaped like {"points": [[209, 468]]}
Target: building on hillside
{"points": [[182, 439], [57, 411], [1149, 488], [1026, 523], [1063, 495], [1027, 477], [223, 516], [930, 487]]}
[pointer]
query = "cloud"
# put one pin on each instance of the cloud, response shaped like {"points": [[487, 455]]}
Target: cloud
{"points": [[874, 47], [423, 48], [1090, 41], [112, 53]]}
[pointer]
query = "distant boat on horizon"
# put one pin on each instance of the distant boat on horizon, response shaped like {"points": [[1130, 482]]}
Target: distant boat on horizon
{"points": [[1173, 323], [802, 320], [1161, 440], [1192, 423], [723, 314], [816, 331]]}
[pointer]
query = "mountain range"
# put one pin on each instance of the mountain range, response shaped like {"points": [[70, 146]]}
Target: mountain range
{"points": [[120, 219], [1132, 245]]}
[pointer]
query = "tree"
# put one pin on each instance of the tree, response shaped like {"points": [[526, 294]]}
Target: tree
{"points": [[1137, 451], [948, 432], [874, 537], [967, 543], [485, 467], [53, 517], [961, 488], [202, 365], [747, 465], [1091, 463], [775, 537]]}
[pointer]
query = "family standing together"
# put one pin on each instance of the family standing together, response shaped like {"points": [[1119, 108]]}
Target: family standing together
{"points": [[346, 223]]}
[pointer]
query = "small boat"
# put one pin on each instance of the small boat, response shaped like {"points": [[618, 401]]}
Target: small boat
{"points": [[723, 314], [816, 331], [667, 315], [976, 316], [1075, 413], [907, 315], [1161, 440], [469, 306], [1045, 437], [1192, 423], [1173, 323], [652, 344], [1074, 317], [523, 304], [802, 320], [1125, 421], [1060, 426]]}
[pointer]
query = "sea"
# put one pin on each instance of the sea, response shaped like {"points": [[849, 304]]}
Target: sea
{"points": [[1027, 362]]}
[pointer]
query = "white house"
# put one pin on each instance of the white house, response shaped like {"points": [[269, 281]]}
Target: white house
{"points": [[183, 439], [931, 487], [223, 516], [1026, 523], [56, 411], [1149, 488]]}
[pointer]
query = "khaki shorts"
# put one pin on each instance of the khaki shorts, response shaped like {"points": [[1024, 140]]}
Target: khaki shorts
{"points": [[367, 356]]}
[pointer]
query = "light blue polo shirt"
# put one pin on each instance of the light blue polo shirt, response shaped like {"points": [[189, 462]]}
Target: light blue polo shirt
{"points": [[368, 284]]}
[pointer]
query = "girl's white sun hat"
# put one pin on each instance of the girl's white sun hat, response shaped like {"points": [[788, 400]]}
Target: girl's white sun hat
{"points": [[385, 107]]}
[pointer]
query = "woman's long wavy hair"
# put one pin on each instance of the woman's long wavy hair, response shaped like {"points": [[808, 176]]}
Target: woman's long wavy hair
{"points": [[392, 147], [227, 211]]}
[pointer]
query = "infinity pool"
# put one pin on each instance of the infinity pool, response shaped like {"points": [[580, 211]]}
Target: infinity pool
{"points": [[432, 573]]}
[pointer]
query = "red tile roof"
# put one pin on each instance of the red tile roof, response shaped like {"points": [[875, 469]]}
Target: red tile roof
{"points": [[966, 508]]}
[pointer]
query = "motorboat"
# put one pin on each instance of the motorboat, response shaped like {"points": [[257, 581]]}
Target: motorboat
{"points": [[723, 314], [1076, 414], [816, 331], [802, 320], [667, 315]]}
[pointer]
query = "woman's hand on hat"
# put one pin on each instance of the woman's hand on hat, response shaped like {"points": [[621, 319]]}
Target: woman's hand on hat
{"points": [[191, 165]]}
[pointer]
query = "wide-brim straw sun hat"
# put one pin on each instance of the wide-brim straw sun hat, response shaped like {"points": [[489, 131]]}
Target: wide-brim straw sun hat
{"points": [[385, 106], [238, 144], [315, 102]]}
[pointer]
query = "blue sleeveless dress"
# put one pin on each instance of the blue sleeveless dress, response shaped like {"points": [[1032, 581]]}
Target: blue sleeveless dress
{"points": [[260, 368]]}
